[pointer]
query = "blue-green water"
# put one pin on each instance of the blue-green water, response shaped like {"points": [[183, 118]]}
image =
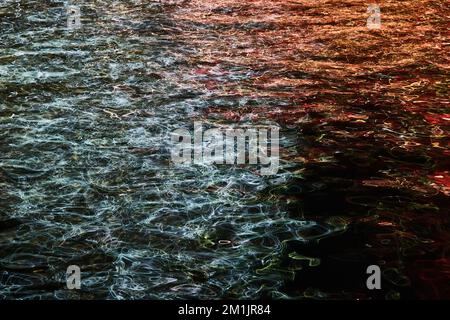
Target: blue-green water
{"points": [[86, 177]]}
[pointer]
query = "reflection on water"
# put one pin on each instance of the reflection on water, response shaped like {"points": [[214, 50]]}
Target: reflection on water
{"points": [[85, 172]]}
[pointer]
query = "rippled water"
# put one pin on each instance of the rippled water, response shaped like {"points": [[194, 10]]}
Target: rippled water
{"points": [[86, 177]]}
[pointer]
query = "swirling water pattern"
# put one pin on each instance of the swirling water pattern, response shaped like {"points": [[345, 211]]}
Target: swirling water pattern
{"points": [[85, 171]]}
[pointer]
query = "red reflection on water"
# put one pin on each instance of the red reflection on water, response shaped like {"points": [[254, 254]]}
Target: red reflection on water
{"points": [[371, 106]]}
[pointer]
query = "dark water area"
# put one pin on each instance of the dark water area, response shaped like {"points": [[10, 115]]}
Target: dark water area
{"points": [[85, 171]]}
